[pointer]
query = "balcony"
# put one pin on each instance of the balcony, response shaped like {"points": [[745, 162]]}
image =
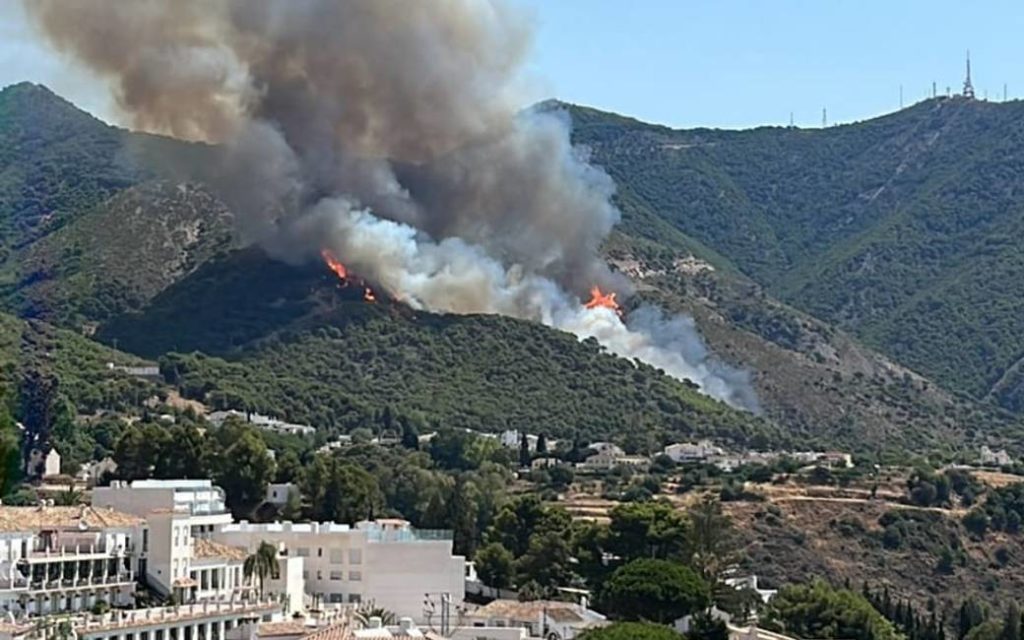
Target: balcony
{"points": [[49, 552], [209, 610], [21, 583]]}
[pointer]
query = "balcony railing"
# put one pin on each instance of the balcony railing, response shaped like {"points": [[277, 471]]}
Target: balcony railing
{"points": [[408, 535], [25, 584], [160, 615], [47, 551]]}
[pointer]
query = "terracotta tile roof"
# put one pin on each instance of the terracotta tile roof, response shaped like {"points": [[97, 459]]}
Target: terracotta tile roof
{"points": [[35, 518], [284, 628], [15, 628], [530, 611], [204, 548], [339, 631]]}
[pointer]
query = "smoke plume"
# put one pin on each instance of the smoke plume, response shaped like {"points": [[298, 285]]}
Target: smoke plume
{"points": [[390, 132]]}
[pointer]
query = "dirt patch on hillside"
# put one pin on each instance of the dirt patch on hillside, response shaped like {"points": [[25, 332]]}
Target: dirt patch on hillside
{"points": [[852, 541]]}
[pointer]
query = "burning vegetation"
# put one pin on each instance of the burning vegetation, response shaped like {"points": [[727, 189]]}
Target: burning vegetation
{"points": [[600, 299], [338, 268]]}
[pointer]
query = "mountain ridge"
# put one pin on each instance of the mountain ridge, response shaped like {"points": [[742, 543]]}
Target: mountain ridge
{"points": [[867, 225], [818, 384]]}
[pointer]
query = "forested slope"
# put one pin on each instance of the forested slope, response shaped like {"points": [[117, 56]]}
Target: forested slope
{"points": [[905, 229]]}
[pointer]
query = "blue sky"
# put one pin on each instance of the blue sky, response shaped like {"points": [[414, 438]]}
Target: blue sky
{"points": [[724, 63]]}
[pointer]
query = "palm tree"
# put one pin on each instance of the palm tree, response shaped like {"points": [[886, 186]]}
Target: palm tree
{"points": [[70, 497], [262, 563], [369, 610]]}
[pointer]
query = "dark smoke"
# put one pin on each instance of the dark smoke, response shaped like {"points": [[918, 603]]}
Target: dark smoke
{"points": [[388, 130]]}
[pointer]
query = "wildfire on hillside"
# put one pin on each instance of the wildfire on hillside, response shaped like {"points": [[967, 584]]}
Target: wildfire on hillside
{"points": [[339, 269], [600, 299], [335, 265]]}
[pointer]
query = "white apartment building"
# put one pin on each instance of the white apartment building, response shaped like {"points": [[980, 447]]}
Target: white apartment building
{"points": [[386, 562], [178, 514], [65, 559], [75, 571], [193, 550]]}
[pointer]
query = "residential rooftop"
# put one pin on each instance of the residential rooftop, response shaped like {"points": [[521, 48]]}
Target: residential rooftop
{"points": [[530, 611], [75, 518], [204, 548]]}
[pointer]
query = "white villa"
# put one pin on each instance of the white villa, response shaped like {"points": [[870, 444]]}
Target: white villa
{"points": [[540, 618], [693, 451], [260, 421], [990, 458], [608, 456]]}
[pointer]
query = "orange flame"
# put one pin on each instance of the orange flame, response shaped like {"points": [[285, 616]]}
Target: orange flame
{"points": [[369, 295], [334, 264], [601, 299]]}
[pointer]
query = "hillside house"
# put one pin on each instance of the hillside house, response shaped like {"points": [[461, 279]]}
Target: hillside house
{"points": [[990, 458], [540, 618], [700, 451], [278, 492], [260, 421]]}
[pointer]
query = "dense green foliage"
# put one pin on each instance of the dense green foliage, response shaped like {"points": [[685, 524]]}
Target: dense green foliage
{"points": [[657, 590], [912, 623], [1003, 510], [819, 611], [903, 228]]}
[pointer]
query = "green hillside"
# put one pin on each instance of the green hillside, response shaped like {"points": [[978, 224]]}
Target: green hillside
{"points": [[145, 264], [904, 229], [289, 341]]}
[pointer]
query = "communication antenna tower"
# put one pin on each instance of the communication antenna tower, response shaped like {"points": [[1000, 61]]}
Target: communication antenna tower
{"points": [[968, 87], [824, 118]]}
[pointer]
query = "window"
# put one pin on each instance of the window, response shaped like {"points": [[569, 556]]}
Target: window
{"points": [[320, 552], [319, 575], [337, 556], [145, 540], [336, 575], [355, 575], [335, 598], [302, 552], [355, 556], [354, 598]]}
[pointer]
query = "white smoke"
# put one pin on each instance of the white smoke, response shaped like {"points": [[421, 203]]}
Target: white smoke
{"points": [[452, 276]]}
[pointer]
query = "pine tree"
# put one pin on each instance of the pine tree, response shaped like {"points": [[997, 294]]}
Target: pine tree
{"points": [[1011, 623], [971, 615], [524, 451]]}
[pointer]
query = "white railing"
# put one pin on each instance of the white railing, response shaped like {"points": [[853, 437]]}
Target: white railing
{"points": [[120, 619]]}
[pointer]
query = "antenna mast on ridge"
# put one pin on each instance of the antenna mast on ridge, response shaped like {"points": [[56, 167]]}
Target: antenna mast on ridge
{"points": [[968, 87]]}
